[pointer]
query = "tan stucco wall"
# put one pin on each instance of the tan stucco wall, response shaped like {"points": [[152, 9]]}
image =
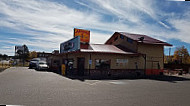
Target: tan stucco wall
{"points": [[113, 57], [51, 59], [78, 55], [154, 55]]}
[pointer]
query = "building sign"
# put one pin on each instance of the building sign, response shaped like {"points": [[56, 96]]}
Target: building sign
{"points": [[70, 45], [122, 61], [84, 35], [90, 62], [19, 50]]}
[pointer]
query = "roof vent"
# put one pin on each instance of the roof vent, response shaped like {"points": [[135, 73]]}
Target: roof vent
{"points": [[141, 39]]}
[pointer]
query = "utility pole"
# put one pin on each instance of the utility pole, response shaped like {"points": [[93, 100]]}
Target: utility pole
{"points": [[169, 54], [169, 51]]}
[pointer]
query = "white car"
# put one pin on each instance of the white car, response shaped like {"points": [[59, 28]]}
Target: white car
{"points": [[42, 65]]}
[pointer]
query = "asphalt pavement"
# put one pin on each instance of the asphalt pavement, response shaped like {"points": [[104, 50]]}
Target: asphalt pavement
{"points": [[23, 86]]}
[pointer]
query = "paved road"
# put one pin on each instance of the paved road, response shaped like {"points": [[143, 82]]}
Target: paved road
{"points": [[23, 86]]}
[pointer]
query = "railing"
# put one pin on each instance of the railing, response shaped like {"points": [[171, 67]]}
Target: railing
{"points": [[174, 72]]}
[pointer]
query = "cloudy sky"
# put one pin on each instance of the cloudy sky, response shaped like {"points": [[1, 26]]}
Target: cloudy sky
{"points": [[43, 24]]}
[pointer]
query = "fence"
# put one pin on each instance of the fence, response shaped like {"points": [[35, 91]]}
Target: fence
{"points": [[176, 68]]}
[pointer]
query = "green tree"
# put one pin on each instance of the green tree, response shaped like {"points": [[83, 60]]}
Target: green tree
{"points": [[3, 56]]}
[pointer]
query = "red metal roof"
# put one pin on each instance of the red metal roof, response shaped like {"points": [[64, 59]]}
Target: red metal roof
{"points": [[102, 48], [147, 39]]}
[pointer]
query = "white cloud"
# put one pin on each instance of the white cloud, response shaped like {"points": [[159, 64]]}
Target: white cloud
{"points": [[130, 10], [166, 26], [182, 27], [99, 38], [9, 50], [46, 24], [176, 0]]}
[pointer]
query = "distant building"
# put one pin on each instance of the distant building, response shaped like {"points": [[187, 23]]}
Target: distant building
{"points": [[55, 52], [43, 55]]}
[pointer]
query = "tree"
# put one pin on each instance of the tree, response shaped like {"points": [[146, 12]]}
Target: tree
{"points": [[168, 59], [32, 55], [181, 55], [3, 56]]}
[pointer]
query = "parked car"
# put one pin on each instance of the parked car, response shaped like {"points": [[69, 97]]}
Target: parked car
{"points": [[33, 62], [42, 65]]}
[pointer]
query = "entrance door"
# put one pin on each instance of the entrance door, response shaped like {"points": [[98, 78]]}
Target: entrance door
{"points": [[80, 65]]}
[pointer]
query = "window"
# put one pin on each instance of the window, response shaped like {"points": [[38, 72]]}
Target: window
{"points": [[121, 36], [102, 64], [121, 62], [130, 40], [42, 62]]}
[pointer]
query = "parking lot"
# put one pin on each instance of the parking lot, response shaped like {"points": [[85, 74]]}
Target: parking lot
{"points": [[23, 86]]}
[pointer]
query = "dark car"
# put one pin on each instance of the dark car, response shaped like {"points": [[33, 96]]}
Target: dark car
{"points": [[33, 62]]}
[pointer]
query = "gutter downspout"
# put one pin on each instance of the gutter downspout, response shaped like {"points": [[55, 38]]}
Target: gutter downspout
{"points": [[90, 65], [144, 56]]}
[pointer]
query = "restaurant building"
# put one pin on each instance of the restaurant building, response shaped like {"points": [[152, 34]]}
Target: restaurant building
{"points": [[123, 54]]}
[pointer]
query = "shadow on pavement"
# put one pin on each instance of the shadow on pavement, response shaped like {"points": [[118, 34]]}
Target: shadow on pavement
{"points": [[2, 69], [172, 79], [41, 70], [166, 78]]}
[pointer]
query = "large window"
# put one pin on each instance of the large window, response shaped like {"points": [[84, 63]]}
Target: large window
{"points": [[130, 40], [121, 36], [102, 64]]}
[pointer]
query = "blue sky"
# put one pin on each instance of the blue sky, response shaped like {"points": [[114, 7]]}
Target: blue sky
{"points": [[43, 24]]}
